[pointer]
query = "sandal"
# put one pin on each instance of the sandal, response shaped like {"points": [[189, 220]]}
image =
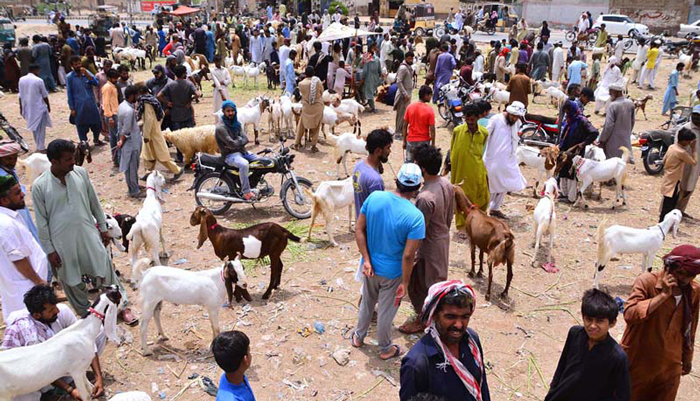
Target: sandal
{"points": [[353, 342], [398, 352], [411, 327]]}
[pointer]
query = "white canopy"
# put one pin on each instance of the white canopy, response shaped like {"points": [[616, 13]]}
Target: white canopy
{"points": [[337, 31]]}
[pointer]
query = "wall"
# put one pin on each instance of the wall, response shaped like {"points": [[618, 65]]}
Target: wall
{"points": [[658, 15], [561, 13]]}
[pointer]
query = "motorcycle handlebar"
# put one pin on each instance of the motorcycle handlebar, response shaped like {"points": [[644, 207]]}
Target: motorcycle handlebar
{"points": [[265, 151]]}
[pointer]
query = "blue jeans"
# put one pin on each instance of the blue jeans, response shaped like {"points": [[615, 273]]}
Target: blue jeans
{"points": [[113, 138], [240, 161]]}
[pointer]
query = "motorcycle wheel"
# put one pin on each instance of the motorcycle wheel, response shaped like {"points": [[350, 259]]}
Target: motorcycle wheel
{"points": [[491, 31], [532, 134], [570, 36], [442, 110], [298, 207], [420, 31], [208, 183], [592, 38], [627, 44], [653, 155], [439, 32]]}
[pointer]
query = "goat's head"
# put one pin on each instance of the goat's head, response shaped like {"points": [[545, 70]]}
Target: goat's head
{"points": [[156, 181], [551, 188], [674, 216], [125, 222], [115, 232], [550, 155], [235, 280], [264, 104], [205, 219], [107, 305], [83, 153], [565, 160]]}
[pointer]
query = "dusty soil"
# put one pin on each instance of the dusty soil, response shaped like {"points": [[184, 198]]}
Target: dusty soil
{"points": [[522, 335]]}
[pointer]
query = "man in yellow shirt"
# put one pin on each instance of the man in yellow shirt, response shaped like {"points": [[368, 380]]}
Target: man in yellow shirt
{"points": [[110, 103], [652, 65]]}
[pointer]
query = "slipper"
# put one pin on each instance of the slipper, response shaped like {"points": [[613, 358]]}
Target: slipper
{"points": [[416, 328], [352, 341], [398, 352]]}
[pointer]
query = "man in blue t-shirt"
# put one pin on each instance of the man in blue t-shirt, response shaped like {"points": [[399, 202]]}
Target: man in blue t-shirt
{"points": [[366, 176], [388, 232], [231, 351]]}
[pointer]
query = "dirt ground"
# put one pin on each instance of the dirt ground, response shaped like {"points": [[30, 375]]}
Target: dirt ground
{"points": [[522, 336]]}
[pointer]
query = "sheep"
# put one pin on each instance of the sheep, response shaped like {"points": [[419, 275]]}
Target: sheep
{"points": [[544, 160], [615, 240], [589, 171], [251, 114], [193, 140], [274, 119], [545, 217], [254, 242], [34, 166], [491, 235], [344, 144], [68, 353], [148, 229], [207, 288], [333, 118], [130, 54], [329, 197]]}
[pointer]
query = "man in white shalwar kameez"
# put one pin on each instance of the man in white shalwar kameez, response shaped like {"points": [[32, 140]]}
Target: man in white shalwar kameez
{"points": [[639, 60], [611, 75], [256, 48], [499, 156], [34, 105], [222, 79], [557, 61]]}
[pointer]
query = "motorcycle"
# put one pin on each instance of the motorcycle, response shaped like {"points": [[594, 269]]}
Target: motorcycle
{"points": [[539, 131], [459, 89], [572, 36], [655, 143], [675, 48], [217, 185], [12, 133]]}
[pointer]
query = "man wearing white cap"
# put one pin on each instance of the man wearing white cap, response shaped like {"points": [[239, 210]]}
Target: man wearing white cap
{"points": [[619, 123], [499, 156], [388, 232]]}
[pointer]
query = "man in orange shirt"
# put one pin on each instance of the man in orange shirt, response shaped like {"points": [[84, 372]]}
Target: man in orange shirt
{"points": [[419, 123], [110, 104]]}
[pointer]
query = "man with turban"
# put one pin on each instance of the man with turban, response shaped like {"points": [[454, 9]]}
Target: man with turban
{"points": [[231, 141], [662, 317], [448, 360]]}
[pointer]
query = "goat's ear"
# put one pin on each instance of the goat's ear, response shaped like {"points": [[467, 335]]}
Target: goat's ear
{"points": [[203, 232]]}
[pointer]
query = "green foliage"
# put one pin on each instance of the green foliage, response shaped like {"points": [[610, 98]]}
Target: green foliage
{"points": [[343, 8]]}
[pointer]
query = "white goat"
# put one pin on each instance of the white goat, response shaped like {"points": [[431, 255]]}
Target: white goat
{"points": [[131, 396], [252, 114], [34, 165], [333, 118], [148, 229], [545, 217], [589, 171], [350, 106], [344, 144], [254, 71], [287, 114], [545, 84], [329, 197], [594, 153], [687, 61], [207, 288], [502, 97], [69, 353], [543, 160], [616, 240], [237, 71], [555, 96], [274, 119], [115, 232]]}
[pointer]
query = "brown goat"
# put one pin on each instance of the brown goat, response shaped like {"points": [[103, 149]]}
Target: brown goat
{"points": [[641, 104], [491, 236], [82, 153], [254, 242]]}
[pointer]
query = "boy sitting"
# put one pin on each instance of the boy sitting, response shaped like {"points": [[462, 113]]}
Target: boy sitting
{"points": [[231, 351], [592, 365]]}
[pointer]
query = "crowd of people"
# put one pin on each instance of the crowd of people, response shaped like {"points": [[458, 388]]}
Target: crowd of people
{"points": [[403, 235]]}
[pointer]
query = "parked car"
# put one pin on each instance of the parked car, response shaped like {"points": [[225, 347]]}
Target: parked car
{"points": [[689, 30], [7, 32], [620, 25]]}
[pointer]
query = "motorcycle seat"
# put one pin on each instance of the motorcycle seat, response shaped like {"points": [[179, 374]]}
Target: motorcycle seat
{"points": [[216, 161], [661, 135]]}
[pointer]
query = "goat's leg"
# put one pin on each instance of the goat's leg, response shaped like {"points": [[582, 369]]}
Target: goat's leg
{"points": [[214, 320], [328, 216], [600, 265], [278, 272], [162, 243], [273, 275], [311, 225], [538, 235], [156, 319], [82, 383], [472, 247], [481, 263], [509, 278], [255, 131], [147, 309], [488, 291], [551, 241]]}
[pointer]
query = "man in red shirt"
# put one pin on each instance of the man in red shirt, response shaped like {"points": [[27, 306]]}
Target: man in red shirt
{"points": [[419, 123]]}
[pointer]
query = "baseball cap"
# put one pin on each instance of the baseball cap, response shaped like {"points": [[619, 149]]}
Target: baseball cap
{"points": [[410, 175]]}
